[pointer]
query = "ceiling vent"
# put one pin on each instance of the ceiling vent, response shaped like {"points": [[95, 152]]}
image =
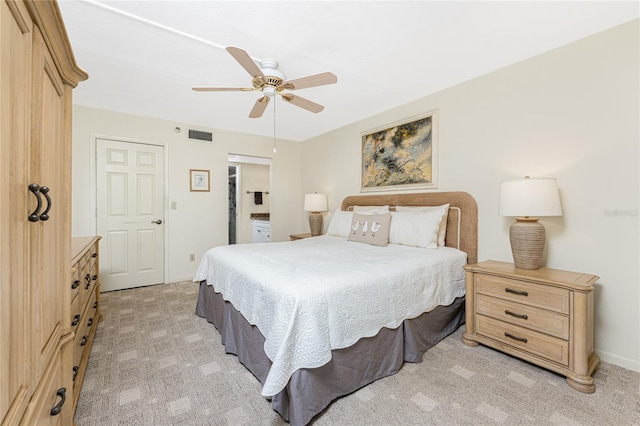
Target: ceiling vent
{"points": [[199, 135]]}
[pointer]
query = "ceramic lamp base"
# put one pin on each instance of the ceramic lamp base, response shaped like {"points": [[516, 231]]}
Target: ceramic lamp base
{"points": [[315, 224], [527, 237]]}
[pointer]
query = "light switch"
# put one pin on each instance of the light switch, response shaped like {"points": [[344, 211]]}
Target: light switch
{"points": [[174, 205]]}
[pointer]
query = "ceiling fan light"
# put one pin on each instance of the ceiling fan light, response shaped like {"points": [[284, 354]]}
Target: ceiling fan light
{"points": [[269, 91]]}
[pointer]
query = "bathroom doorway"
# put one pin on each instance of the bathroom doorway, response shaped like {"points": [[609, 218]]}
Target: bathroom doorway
{"points": [[233, 201], [249, 193]]}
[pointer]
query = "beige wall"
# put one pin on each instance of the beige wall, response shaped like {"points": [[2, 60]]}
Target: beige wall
{"points": [[200, 220], [571, 113]]}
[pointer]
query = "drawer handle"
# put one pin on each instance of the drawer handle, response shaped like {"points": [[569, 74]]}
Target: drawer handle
{"points": [[75, 372], [95, 277], [76, 320], [62, 393], [85, 338], [95, 305], [519, 339], [90, 322], [94, 255], [75, 284], [513, 314], [88, 278], [518, 292]]}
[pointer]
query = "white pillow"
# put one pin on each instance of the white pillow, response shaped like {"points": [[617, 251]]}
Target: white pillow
{"points": [[442, 229], [417, 229], [340, 223], [371, 209]]}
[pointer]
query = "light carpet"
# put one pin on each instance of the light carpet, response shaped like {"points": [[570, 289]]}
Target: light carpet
{"points": [[154, 362]]}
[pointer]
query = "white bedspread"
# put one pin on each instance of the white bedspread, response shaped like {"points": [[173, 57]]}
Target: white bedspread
{"points": [[310, 296]]}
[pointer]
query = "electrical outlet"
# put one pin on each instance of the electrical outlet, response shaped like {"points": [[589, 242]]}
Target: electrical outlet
{"points": [[192, 257]]}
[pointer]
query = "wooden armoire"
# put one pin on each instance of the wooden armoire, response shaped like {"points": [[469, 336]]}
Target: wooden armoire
{"points": [[37, 74]]}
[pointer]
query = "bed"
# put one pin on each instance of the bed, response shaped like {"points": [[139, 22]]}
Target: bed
{"points": [[311, 329]]}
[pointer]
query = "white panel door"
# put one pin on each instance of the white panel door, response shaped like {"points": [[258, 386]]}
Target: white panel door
{"points": [[130, 214]]}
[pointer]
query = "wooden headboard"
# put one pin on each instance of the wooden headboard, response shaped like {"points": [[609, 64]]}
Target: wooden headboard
{"points": [[462, 224]]}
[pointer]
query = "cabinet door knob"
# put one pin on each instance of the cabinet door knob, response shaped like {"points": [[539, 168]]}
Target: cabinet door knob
{"points": [[75, 372], [76, 320], [75, 284], [84, 340], [35, 215], [62, 393], [90, 322], [45, 191]]}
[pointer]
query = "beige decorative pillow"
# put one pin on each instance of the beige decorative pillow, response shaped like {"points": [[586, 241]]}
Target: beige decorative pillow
{"points": [[370, 228]]}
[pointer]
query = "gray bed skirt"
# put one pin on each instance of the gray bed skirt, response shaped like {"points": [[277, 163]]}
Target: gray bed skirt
{"points": [[310, 391]]}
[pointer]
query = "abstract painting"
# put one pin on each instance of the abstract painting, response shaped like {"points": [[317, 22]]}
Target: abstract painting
{"points": [[401, 155]]}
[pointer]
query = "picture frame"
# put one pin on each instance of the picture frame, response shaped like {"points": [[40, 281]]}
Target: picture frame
{"points": [[402, 155], [199, 180]]}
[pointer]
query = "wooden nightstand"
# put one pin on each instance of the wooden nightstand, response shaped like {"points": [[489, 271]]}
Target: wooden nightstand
{"points": [[543, 316], [294, 237]]}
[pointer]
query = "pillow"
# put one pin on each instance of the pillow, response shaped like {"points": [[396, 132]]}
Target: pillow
{"points": [[442, 229], [370, 228], [340, 224], [370, 209], [417, 229]]}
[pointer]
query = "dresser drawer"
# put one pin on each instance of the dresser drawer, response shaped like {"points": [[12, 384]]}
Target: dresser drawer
{"points": [[536, 319], [543, 345], [541, 296]]}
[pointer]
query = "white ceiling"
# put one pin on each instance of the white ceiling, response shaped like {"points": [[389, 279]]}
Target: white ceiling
{"points": [[143, 57]]}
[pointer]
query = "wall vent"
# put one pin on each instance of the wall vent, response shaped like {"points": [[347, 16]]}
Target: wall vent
{"points": [[200, 135]]}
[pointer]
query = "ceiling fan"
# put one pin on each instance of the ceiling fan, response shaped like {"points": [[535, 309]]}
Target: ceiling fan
{"points": [[270, 81]]}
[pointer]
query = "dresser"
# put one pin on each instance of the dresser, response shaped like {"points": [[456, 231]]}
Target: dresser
{"points": [[37, 75], [543, 316], [85, 305]]}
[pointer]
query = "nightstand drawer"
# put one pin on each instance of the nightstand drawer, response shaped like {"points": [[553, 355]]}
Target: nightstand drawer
{"points": [[547, 297], [524, 315], [543, 345]]}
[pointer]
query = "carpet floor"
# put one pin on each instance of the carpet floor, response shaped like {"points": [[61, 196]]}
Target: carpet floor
{"points": [[154, 362]]}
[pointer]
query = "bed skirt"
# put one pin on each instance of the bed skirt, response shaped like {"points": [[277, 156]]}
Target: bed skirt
{"points": [[310, 391]]}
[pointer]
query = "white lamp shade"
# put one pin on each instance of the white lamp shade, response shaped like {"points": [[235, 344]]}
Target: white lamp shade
{"points": [[530, 197], [315, 203]]}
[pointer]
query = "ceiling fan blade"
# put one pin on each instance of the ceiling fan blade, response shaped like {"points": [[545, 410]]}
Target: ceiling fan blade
{"points": [[302, 102], [245, 60], [259, 107], [222, 89], [311, 81]]}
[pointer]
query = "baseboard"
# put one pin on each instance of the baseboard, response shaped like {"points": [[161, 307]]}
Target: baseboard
{"points": [[629, 364]]}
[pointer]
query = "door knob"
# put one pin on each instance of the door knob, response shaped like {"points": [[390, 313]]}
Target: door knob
{"points": [[157, 222]]}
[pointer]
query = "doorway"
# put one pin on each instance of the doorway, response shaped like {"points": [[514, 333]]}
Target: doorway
{"points": [[130, 213], [233, 201], [250, 180]]}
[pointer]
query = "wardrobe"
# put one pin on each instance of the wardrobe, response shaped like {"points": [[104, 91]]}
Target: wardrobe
{"points": [[37, 74]]}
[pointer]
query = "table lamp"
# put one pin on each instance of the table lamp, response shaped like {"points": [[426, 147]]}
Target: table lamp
{"points": [[525, 199], [315, 203]]}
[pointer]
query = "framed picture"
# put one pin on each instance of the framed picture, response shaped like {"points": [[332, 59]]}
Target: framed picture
{"points": [[401, 155], [199, 180]]}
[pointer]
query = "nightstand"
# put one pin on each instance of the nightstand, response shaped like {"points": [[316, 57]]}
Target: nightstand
{"points": [[294, 237], [543, 316]]}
